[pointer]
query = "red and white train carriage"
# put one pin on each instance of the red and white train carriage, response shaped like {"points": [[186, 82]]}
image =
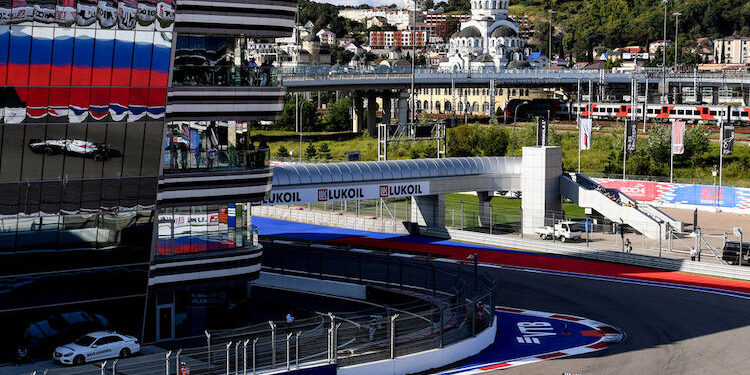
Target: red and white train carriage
{"points": [[667, 112]]}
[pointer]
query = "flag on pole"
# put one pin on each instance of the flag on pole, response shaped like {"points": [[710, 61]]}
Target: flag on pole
{"points": [[727, 139], [678, 137], [632, 134], [585, 134]]}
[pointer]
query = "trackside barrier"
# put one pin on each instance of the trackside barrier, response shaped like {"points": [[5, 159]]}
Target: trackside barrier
{"points": [[703, 268]]}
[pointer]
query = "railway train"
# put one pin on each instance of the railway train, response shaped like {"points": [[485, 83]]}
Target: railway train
{"points": [[614, 111], [666, 112], [537, 107]]}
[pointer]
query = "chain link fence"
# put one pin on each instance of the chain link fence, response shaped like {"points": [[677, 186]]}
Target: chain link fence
{"points": [[418, 305]]}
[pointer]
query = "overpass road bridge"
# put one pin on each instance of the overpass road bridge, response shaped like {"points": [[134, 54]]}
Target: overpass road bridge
{"points": [[392, 86], [328, 79], [537, 175]]}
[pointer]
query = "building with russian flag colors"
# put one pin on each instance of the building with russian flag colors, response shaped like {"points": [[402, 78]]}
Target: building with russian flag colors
{"points": [[127, 174]]}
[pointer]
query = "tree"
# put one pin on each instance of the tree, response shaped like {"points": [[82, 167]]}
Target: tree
{"points": [[609, 64], [446, 28], [421, 60], [308, 113], [282, 152], [310, 151], [339, 116], [324, 151], [414, 153], [430, 151], [476, 140]]}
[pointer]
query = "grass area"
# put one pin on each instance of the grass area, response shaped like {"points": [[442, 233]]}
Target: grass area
{"points": [[504, 210]]}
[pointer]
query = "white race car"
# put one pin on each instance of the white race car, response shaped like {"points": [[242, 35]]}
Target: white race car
{"points": [[96, 346]]}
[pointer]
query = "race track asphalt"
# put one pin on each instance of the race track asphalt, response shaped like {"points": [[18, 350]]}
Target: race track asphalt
{"points": [[668, 331]]}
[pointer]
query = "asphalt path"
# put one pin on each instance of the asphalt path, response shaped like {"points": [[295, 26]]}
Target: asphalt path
{"points": [[668, 330]]}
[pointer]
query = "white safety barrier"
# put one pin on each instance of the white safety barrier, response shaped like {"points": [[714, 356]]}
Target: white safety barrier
{"points": [[703, 268]]}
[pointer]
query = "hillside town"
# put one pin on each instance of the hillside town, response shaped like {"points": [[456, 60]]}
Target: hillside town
{"points": [[488, 35]]}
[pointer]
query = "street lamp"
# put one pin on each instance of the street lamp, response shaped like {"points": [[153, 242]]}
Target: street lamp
{"points": [[664, 53], [549, 62], [715, 172], [676, 31], [515, 114]]}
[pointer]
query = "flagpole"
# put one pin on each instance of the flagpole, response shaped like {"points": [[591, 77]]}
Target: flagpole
{"points": [[578, 121], [624, 148], [721, 151]]}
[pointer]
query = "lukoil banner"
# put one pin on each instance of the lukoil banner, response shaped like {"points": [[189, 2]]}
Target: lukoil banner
{"points": [[344, 193]]}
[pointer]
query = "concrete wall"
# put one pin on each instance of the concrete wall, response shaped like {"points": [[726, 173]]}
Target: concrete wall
{"points": [[424, 361], [311, 285]]}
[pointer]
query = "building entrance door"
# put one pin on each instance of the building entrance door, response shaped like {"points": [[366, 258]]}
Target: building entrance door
{"points": [[164, 322]]}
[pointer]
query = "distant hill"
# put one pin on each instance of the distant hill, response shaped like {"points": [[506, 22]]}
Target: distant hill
{"points": [[580, 25]]}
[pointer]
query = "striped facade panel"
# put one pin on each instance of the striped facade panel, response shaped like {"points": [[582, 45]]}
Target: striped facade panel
{"points": [[216, 187], [243, 263], [259, 18], [225, 103]]}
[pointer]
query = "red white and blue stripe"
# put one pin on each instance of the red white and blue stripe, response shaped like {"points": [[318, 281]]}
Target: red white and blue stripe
{"points": [[84, 74]]}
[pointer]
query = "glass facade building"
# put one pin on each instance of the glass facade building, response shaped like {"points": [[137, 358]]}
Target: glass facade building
{"points": [[122, 205]]}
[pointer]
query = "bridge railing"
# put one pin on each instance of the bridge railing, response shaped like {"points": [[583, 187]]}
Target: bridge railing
{"points": [[382, 72]]}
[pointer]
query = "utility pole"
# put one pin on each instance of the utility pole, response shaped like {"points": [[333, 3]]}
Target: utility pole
{"points": [[549, 63], [664, 54], [676, 31], [413, 59]]}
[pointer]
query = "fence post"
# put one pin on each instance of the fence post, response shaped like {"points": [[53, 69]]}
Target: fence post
{"points": [[553, 226], [442, 322], [520, 211], [236, 358], [288, 354], [176, 361], [166, 361], [208, 344], [103, 366], [244, 356], [273, 343], [490, 218], [296, 350], [393, 336], [255, 341], [229, 345], [462, 215]]}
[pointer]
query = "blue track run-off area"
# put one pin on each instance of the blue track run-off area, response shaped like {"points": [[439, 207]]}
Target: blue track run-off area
{"points": [[540, 335]]}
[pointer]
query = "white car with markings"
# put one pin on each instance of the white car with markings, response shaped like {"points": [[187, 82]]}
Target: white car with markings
{"points": [[96, 346]]}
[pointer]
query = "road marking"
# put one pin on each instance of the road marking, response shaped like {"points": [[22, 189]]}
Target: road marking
{"points": [[608, 335]]}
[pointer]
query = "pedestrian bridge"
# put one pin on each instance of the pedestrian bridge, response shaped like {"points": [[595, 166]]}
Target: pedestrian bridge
{"points": [[537, 175], [307, 183]]}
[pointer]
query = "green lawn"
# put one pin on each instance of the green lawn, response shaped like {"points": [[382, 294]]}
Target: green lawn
{"points": [[504, 210]]}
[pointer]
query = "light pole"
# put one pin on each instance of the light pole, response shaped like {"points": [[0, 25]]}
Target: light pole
{"points": [[549, 62], [715, 172], [664, 53], [513, 142], [676, 31], [413, 58]]}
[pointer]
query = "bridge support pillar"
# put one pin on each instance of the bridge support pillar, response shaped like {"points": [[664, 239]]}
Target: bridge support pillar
{"points": [[359, 114], [484, 208], [403, 107], [746, 96], [372, 115], [428, 212], [715, 94], [541, 168], [387, 107]]}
